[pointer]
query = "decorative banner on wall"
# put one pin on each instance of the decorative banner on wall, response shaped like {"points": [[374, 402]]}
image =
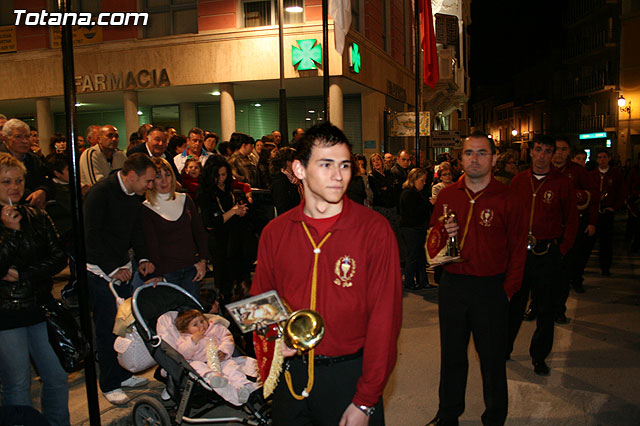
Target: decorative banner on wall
{"points": [[307, 56], [404, 123], [8, 39], [81, 35]]}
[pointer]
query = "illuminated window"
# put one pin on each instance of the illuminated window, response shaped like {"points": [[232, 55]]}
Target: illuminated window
{"points": [[262, 13], [170, 17]]}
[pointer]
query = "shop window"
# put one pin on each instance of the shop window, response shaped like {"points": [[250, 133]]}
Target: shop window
{"points": [[170, 17], [261, 13]]}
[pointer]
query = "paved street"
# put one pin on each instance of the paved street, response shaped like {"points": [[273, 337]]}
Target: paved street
{"points": [[595, 363]]}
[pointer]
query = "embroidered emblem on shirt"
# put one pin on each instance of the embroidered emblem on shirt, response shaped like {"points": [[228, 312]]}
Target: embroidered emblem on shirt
{"points": [[345, 269], [548, 197], [486, 216]]}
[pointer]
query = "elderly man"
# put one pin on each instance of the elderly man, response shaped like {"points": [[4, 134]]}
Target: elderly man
{"points": [[194, 149], [109, 239], [92, 135], [38, 188], [277, 137], [98, 161], [297, 135]]}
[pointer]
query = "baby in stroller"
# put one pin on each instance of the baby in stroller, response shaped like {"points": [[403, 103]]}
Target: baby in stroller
{"points": [[208, 346]]}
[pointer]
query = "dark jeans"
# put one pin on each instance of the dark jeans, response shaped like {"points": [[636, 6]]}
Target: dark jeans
{"points": [[182, 278], [104, 315], [605, 235], [415, 266], [478, 305], [541, 275], [332, 392]]}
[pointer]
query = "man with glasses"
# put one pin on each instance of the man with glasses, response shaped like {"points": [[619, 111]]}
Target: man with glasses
{"points": [[98, 161], [473, 294], [551, 223]]}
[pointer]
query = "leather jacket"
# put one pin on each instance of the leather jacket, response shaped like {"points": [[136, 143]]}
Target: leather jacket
{"points": [[36, 252]]}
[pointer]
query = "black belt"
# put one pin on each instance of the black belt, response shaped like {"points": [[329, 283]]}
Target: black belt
{"points": [[328, 360]]}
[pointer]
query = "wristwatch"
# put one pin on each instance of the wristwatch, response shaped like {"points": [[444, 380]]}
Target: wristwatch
{"points": [[367, 410]]}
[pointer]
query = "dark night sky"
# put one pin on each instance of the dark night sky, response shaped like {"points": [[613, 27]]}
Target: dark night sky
{"points": [[508, 36]]}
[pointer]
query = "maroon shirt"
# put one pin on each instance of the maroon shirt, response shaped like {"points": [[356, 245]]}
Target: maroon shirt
{"points": [[556, 213], [583, 182], [359, 290], [496, 242], [611, 186]]}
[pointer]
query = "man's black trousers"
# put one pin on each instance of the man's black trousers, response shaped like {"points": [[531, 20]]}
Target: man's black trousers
{"points": [[333, 389], [478, 305], [541, 275]]}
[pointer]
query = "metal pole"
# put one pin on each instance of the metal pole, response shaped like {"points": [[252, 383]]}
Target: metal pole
{"points": [[325, 58], [79, 255], [418, 78], [283, 125]]}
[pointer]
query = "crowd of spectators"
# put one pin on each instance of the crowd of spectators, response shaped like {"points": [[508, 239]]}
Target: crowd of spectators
{"points": [[185, 203]]}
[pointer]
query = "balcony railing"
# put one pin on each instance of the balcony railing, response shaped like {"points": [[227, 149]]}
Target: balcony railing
{"points": [[591, 123], [589, 42], [589, 84]]}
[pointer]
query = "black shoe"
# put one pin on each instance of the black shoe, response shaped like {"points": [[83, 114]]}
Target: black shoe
{"points": [[529, 315], [540, 368], [579, 289], [437, 421], [561, 319]]}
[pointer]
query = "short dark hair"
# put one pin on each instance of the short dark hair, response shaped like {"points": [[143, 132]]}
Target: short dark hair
{"points": [[223, 148], [325, 135], [603, 150], [156, 128], [238, 139], [57, 163], [197, 131], [578, 152], [280, 160], [137, 162], [544, 140], [56, 137], [479, 134], [208, 135]]}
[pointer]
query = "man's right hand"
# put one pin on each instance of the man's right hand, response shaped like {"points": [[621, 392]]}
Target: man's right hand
{"points": [[123, 274], [287, 351], [452, 227]]}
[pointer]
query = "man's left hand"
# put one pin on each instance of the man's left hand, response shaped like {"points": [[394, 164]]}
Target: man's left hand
{"points": [[590, 231], [37, 199], [353, 416], [146, 268]]}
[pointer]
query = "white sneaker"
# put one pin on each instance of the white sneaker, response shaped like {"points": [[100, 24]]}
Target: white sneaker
{"points": [[165, 395], [116, 396], [134, 382]]}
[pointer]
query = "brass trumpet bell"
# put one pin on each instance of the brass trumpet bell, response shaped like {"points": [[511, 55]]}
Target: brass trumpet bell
{"points": [[303, 330]]}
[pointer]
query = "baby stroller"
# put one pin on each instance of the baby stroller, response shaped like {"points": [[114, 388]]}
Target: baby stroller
{"points": [[191, 396]]}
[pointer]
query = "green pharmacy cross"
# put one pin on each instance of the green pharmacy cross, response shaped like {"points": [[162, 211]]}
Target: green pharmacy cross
{"points": [[354, 58], [307, 56]]}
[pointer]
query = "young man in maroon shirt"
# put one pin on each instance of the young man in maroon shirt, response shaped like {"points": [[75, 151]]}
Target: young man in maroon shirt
{"points": [[341, 259], [611, 185], [473, 294], [552, 222]]}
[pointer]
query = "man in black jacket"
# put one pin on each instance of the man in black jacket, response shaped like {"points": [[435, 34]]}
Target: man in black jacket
{"points": [[155, 146], [112, 227]]}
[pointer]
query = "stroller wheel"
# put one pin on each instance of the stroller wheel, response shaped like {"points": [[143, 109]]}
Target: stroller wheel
{"points": [[148, 411]]}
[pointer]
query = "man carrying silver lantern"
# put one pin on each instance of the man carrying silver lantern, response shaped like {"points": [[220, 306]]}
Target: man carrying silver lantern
{"points": [[473, 293], [340, 259]]}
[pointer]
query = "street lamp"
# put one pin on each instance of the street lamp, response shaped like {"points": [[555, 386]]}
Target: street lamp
{"points": [[622, 103], [514, 132]]}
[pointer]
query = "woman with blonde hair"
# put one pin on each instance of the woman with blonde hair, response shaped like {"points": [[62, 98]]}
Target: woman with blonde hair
{"points": [[30, 255], [414, 218], [175, 237]]}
